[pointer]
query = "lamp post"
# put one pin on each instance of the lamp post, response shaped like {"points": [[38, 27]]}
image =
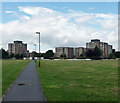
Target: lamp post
{"points": [[39, 47]]}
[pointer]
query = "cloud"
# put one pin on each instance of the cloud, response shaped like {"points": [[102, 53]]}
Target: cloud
{"points": [[34, 10], [60, 29], [9, 12]]}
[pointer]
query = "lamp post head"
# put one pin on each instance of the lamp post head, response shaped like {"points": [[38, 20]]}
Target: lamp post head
{"points": [[37, 32]]}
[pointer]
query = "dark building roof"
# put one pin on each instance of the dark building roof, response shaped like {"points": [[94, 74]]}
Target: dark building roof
{"points": [[17, 41], [93, 40]]}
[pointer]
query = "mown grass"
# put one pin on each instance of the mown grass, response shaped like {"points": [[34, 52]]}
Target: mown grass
{"points": [[10, 71], [64, 80]]}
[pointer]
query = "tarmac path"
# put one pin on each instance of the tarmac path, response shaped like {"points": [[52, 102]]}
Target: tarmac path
{"points": [[26, 87]]}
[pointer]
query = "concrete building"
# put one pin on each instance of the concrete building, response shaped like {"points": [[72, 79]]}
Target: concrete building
{"points": [[68, 51], [110, 49], [17, 48], [79, 51], [93, 44], [76, 52], [105, 48]]}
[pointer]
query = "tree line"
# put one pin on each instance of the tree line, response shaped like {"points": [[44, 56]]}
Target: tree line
{"points": [[4, 55], [95, 53]]}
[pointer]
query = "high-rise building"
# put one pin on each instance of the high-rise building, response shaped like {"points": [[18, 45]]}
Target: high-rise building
{"points": [[105, 48], [68, 51], [93, 44], [17, 48], [76, 52]]}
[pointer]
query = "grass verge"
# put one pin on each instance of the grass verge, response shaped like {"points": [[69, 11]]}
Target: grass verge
{"points": [[65, 80], [10, 70]]}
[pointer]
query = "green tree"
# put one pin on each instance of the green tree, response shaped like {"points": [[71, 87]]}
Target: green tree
{"points": [[82, 56], [63, 56], [17, 56], [97, 53], [89, 53], [11, 55], [4, 54], [111, 56], [21, 56], [49, 54], [117, 54]]}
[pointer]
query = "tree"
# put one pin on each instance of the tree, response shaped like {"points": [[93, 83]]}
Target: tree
{"points": [[111, 56], [49, 54], [21, 56], [11, 55], [4, 54], [17, 56], [82, 56], [89, 53], [63, 56], [97, 52], [117, 54]]}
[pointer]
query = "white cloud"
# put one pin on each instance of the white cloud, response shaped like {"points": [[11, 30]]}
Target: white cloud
{"points": [[35, 10], [60, 29], [9, 12], [24, 17]]}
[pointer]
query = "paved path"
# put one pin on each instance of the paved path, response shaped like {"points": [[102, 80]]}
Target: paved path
{"points": [[27, 86]]}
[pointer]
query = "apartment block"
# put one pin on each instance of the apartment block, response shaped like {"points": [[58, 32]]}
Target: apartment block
{"points": [[18, 47], [68, 51], [79, 51], [105, 47]]}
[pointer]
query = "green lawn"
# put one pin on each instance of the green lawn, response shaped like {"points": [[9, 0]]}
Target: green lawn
{"points": [[64, 80], [10, 70]]}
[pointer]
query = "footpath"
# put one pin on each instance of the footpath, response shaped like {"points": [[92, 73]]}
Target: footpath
{"points": [[26, 87]]}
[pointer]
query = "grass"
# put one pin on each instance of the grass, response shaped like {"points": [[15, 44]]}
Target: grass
{"points": [[10, 71], [65, 80]]}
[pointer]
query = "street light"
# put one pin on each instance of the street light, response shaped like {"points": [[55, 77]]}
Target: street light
{"points": [[39, 47]]}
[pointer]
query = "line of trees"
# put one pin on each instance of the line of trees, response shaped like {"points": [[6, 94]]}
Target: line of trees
{"points": [[95, 53], [47, 55]]}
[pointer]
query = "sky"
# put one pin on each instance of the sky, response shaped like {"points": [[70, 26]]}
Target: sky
{"points": [[70, 24]]}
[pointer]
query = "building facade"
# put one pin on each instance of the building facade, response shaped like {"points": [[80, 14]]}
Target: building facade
{"points": [[105, 47], [79, 51], [68, 51], [18, 47]]}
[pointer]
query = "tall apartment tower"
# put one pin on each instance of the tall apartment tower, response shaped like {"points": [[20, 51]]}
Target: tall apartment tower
{"points": [[64, 50], [10, 48], [93, 44], [17, 48], [105, 48]]}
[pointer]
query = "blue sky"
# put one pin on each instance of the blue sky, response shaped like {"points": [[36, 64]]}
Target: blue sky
{"points": [[60, 23], [89, 7]]}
